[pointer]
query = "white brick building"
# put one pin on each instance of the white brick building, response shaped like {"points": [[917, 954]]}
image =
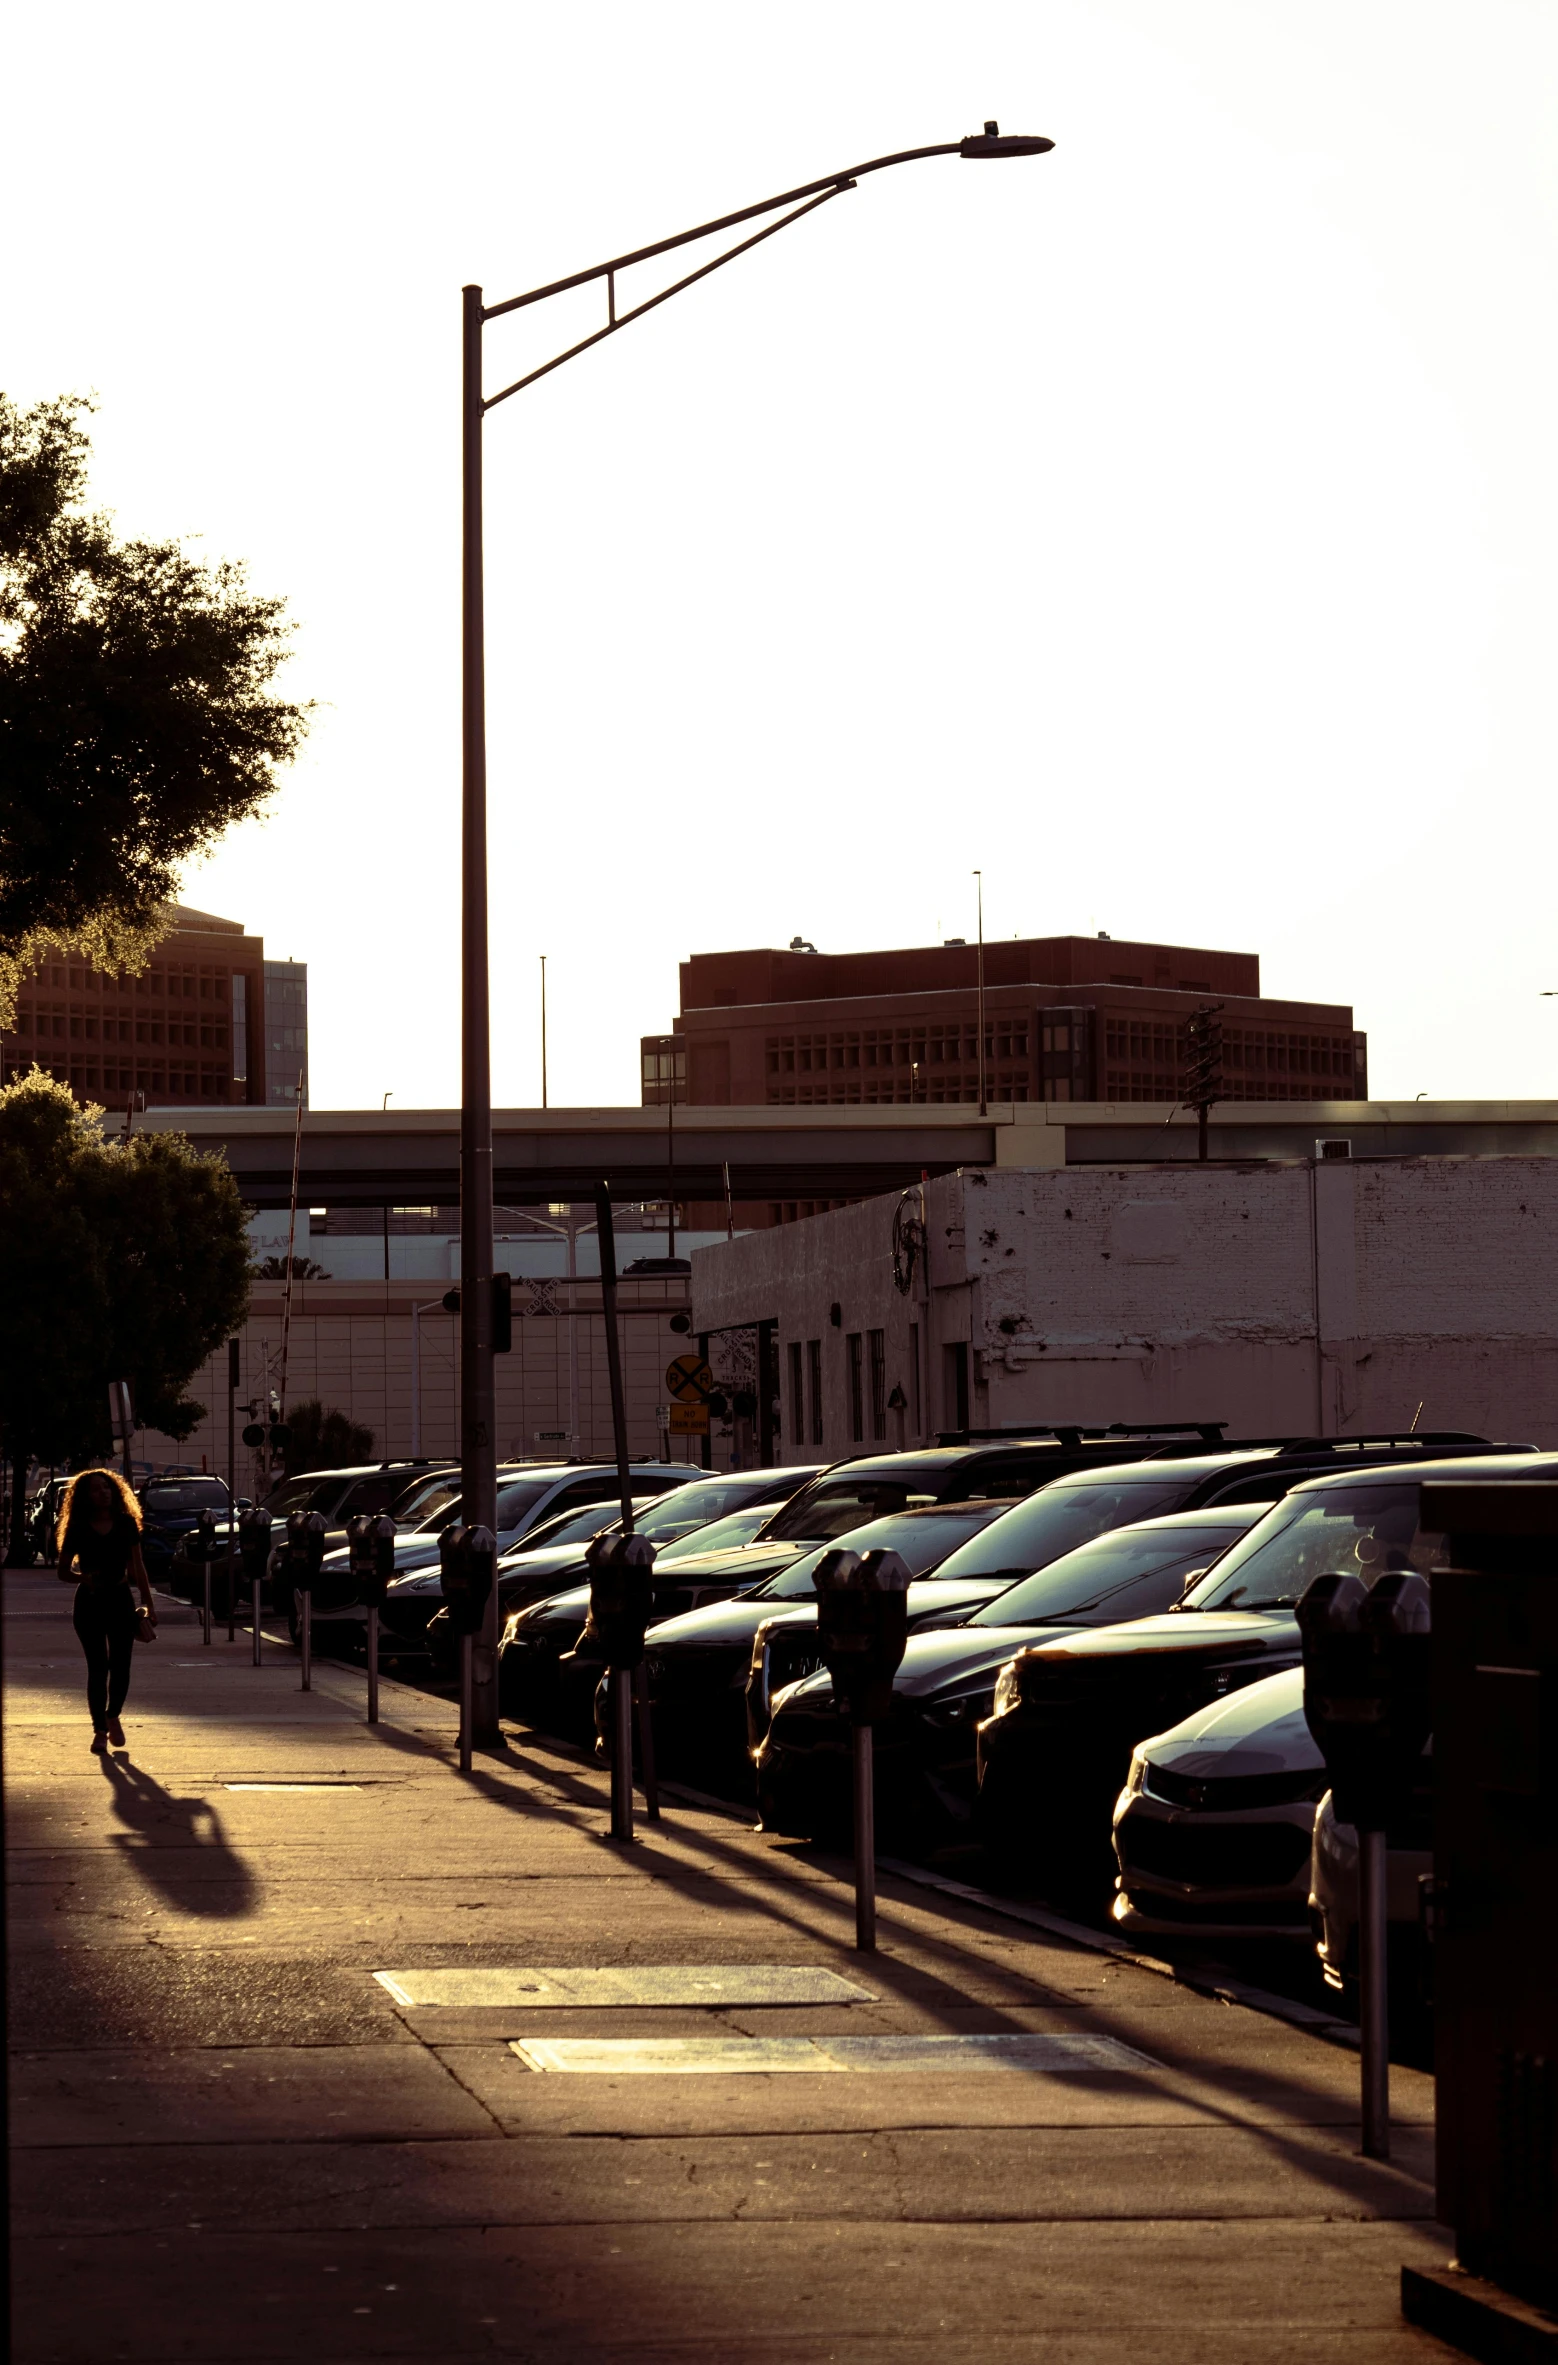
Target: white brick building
{"points": [[1278, 1296]]}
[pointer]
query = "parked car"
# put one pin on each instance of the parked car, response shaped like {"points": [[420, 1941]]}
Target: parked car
{"points": [[553, 1556], [527, 1495], [170, 1508], [1068, 1713], [926, 1775], [1212, 1832], [1333, 1895], [696, 1664]]}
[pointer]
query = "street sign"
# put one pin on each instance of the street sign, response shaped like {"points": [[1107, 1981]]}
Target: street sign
{"points": [[688, 1420], [689, 1378]]}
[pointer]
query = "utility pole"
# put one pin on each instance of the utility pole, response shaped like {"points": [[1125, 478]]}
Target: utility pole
{"points": [[543, 1030], [984, 1106], [1203, 1066]]}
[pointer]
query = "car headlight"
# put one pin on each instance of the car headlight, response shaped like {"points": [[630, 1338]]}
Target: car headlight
{"points": [[1008, 1690]]}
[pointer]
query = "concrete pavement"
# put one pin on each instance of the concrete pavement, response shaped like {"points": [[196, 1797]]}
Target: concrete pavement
{"points": [[232, 2141]]}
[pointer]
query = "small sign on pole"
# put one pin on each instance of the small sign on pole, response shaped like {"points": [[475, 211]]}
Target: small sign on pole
{"points": [[687, 1420]]}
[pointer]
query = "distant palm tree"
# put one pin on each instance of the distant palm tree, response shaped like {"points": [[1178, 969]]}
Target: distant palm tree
{"points": [[304, 1268]]}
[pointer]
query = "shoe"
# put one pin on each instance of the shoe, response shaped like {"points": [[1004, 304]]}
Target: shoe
{"points": [[116, 1734], [99, 1744]]}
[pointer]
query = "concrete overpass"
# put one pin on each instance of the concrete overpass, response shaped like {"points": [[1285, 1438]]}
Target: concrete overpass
{"points": [[411, 1157]]}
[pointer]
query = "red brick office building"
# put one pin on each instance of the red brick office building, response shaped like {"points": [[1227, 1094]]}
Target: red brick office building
{"points": [[1066, 1018], [188, 1031]]}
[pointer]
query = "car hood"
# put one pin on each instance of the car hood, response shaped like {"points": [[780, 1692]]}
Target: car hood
{"points": [[1178, 1634], [553, 1560], [744, 1564], [1259, 1730], [734, 1622]]}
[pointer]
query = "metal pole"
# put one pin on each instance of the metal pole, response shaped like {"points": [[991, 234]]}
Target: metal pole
{"points": [[373, 1666], [306, 1622], [865, 1842], [255, 1612], [416, 1382], [573, 1334], [465, 1703], [1373, 2006], [984, 1105], [670, 1159], [206, 1637], [478, 1448], [622, 1753], [292, 1226], [543, 1030], [232, 1482], [608, 1295], [646, 1743]]}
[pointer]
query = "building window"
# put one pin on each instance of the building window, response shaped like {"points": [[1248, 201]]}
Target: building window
{"points": [[879, 1383], [814, 1373], [797, 1401], [857, 1406]]}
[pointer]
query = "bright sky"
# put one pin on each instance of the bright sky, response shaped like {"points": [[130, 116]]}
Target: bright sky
{"points": [[1165, 525]]}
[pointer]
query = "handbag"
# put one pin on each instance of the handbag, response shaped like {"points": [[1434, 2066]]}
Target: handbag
{"points": [[145, 1631]]}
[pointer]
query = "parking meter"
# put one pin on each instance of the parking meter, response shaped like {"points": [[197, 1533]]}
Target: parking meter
{"points": [[254, 1534], [621, 1600], [203, 1548], [1367, 1704], [1366, 1687], [461, 1569], [863, 1626]]}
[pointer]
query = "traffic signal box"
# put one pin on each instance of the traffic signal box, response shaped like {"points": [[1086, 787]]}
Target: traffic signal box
{"points": [[1494, 1913]]}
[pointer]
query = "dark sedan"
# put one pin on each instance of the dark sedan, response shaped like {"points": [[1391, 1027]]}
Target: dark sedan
{"points": [[696, 1664], [170, 1509], [1068, 1712], [925, 1761]]}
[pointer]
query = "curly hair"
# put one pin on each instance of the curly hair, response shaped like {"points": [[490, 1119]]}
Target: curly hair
{"points": [[122, 1488]]}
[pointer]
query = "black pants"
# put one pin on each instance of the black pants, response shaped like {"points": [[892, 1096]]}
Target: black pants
{"points": [[106, 1624]]}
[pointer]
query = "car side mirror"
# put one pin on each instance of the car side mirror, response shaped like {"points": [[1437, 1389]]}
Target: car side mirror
{"points": [[1194, 1578]]}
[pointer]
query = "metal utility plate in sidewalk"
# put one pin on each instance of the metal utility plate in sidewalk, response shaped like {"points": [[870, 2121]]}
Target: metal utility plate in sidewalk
{"points": [[911, 2055], [712, 1984]]}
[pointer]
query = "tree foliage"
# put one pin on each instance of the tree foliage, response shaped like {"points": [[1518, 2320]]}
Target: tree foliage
{"points": [[304, 1268], [137, 717], [118, 1260], [324, 1439]]}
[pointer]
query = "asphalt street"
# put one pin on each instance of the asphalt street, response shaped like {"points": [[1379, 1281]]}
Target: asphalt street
{"points": [[243, 2130]]}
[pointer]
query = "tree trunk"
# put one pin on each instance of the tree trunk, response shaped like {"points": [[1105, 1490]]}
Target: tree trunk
{"points": [[17, 1555]]}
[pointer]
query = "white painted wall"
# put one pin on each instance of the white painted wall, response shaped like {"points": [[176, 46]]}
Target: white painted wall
{"points": [[1278, 1297]]}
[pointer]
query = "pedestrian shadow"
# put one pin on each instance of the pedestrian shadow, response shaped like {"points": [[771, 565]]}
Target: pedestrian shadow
{"points": [[177, 1846]]}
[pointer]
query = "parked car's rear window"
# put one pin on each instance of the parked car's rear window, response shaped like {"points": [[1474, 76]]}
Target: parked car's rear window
{"points": [[1130, 1573], [1060, 1517], [183, 1494]]}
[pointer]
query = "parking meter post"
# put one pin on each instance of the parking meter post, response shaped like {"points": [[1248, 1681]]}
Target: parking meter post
{"points": [[254, 1614], [373, 1564], [865, 1841], [306, 1641], [232, 1579], [646, 1744], [206, 1637], [622, 1753], [1373, 2016], [373, 1666], [606, 1244], [465, 1703]]}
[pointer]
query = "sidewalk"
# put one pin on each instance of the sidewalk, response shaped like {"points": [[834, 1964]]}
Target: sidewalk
{"points": [[234, 2142]]}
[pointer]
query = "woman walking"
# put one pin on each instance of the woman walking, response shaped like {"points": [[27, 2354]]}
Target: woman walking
{"points": [[100, 1543]]}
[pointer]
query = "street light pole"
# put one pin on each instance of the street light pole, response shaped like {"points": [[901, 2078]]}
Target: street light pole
{"points": [[478, 1446], [984, 1106]]}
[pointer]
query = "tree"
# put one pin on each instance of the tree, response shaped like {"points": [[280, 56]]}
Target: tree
{"points": [[324, 1440], [137, 718], [274, 1268], [118, 1260]]}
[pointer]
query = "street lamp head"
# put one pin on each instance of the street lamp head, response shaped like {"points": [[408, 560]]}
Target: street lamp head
{"points": [[989, 142]]}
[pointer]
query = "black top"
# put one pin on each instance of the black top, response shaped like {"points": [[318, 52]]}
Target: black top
{"points": [[104, 1559]]}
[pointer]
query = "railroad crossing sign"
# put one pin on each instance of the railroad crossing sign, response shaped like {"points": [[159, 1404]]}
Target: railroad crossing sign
{"points": [[689, 1379]]}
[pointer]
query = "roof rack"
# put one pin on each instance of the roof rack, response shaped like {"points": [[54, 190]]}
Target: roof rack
{"points": [[1088, 1433], [1367, 1441]]}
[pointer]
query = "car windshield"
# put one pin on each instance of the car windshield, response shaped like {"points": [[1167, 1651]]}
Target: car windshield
{"points": [[302, 1494], [1058, 1518], [183, 1494], [924, 1540], [721, 1535], [442, 1506], [836, 1505], [694, 1505], [1132, 1573], [1355, 1531], [575, 1526], [370, 1496]]}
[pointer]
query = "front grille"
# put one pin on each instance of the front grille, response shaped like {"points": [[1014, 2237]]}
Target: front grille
{"points": [[1214, 1856], [1273, 1913], [1228, 1794]]}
